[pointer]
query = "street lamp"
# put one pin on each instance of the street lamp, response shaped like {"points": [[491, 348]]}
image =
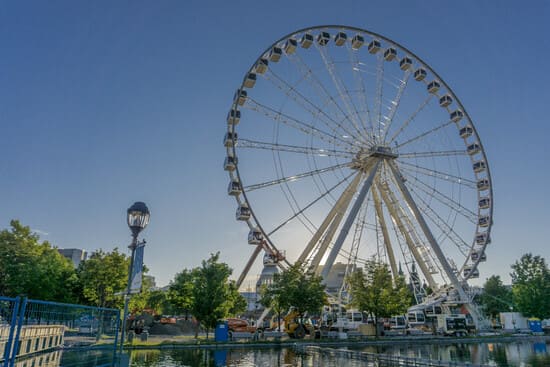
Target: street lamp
{"points": [[138, 218]]}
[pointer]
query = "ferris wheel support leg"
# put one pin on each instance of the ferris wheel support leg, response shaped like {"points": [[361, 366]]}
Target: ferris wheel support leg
{"points": [[385, 234], [349, 220], [248, 265]]}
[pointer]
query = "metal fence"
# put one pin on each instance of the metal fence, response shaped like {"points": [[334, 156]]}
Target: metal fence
{"points": [[30, 328]]}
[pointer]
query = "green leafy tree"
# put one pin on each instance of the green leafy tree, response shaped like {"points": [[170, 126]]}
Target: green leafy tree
{"points": [[496, 297], [237, 303], [32, 268], [531, 286], [101, 276], [159, 302], [294, 288], [180, 293], [373, 291]]}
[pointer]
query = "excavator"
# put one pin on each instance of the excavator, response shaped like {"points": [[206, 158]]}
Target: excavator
{"points": [[298, 327]]}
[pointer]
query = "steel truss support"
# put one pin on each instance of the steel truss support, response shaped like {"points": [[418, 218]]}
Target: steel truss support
{"points": [[385, 234]]}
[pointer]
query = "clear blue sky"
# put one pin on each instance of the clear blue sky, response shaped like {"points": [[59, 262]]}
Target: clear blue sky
{"points": [[105, 103]]}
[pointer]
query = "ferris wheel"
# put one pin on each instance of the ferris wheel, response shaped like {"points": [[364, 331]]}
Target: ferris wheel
{"points": [[344, 146]]}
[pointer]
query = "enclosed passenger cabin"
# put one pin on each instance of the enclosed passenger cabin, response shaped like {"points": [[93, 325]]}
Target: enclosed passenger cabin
{"points": [[470, 272], [233, 117], [457, 115], [250, 80], [357, 41], [240, 97], [261, 66], [243, 212], [484, 221], [420, 74], [466, 132], [478, 255], [479, 166], [473, 149], [306, 40], [290, 46], [390, 54], [445, 100], [416, 318], [483, 184], [230, 163], [482, 239], [340, 38], [229, 139], [269, 259], [255, 236], [275, 54], [374, 46], [433, 87], [405, 63], [484, 203], [323, 38], [234, 188]]}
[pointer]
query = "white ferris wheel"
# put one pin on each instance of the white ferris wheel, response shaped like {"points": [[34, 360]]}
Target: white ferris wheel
{"points": [[344, 146]]}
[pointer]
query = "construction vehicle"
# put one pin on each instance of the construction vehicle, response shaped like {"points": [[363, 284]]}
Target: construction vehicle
{"points": [[298, 326]]}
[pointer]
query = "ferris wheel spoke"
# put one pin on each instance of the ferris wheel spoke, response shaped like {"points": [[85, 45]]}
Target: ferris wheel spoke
{"points": [[379, 93], [322, 91], [352, 112], [309, 106], [395, 102], [310, 204], [411, 118], [426, 133], [254, 144], [362, 87], [442, 198], [414, 168], [441, 153], [293, 177], [295, 123]]}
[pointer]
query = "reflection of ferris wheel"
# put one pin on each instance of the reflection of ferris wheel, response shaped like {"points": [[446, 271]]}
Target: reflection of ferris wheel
{"points": [[344, 146]]}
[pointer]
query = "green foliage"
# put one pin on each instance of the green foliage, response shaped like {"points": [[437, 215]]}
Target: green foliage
{"points": [[373, 291], [531, 286], [496, 297], [294, 288], [180, 293], [159, 302], [237, 303], [32, 268]]}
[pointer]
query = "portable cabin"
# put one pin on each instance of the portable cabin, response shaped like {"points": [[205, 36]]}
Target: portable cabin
{"points": [[250, 80], [466, 132], [473, 148], [478, 255], [484, 203], [243, 212], [357, 41], [240, 97], [420, 74], [483, 184], [234, 188], [482, 239], [229, 139], [230, 163], [484, 221], [255, 236], [433, 87], [323, 38], [390, 54], [445, 100], [405, 63], [261, 66], [374, 46], [479, 166], [306, 40], [457, 115], [233, 117], [340, 38], [290, 46], [470, 272], [275, 54]]}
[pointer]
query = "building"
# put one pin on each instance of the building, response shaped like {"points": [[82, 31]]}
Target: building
{"points": [[74, 254]]}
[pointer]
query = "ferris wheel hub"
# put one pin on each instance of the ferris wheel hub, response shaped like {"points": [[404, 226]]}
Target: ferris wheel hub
{"points": [[365, 157]]}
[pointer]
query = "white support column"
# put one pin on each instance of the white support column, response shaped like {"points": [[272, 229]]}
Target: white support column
{"points": [[385, 234]]}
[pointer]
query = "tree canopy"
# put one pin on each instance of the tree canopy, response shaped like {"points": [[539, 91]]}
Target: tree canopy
{"points": [[496, 297], [531, 286]]}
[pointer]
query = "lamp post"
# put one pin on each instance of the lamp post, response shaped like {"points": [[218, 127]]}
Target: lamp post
{"points": [[138, 218]]}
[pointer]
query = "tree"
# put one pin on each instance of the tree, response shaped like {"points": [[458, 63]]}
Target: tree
{"points": [[237, 303], [32, 268], [531, 286], [294, 288], [101, 276], [180, 293], [373, 291], [496, 297]]}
